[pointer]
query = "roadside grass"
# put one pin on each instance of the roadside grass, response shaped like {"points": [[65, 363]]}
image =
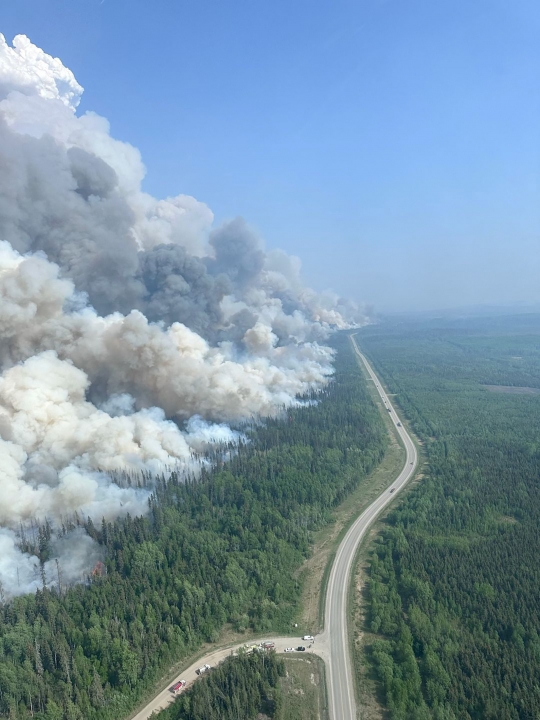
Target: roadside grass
{"points": [[304, 689], [370, 701], [313, 575], [315, 571], [371, 704]]}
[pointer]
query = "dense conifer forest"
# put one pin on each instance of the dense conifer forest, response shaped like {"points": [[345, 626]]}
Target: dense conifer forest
{"points": [[455, 579], [241, 687], [223, 549]]}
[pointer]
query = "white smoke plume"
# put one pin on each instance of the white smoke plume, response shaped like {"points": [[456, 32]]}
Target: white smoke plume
{"points": [[131, 330]]}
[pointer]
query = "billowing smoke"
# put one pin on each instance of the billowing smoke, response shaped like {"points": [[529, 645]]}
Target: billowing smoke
{"points": [[131, 330]]}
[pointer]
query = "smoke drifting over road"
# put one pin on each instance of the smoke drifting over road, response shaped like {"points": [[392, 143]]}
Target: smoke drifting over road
{"points": [[131, 330]]}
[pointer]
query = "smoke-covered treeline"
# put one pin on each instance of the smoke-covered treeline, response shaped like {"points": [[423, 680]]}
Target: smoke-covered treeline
{"points": [[225, 549], [129, 326]]}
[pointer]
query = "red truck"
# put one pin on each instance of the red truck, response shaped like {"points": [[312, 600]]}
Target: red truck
{"points": [[178, 686]]}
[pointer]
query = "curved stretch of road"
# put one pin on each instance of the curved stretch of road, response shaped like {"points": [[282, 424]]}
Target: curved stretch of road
{"points": [[165, 697], [333, 644], [341, 695]]}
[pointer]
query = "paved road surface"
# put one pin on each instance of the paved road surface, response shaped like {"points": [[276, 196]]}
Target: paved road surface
{"points": [[333, 644], [341, 695], [214, 658]]}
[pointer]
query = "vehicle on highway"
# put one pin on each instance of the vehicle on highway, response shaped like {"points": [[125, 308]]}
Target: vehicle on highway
{"points": [[177, 687], [342, 702], [203, 669], [399, 424], [392, 490], [309, 638]]}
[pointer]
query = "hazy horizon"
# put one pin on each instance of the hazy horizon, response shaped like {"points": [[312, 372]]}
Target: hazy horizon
{"points": [[393, 149]]}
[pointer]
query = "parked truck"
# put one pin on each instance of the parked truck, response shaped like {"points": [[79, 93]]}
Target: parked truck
{"points": [[177, 687], [203, 669]]}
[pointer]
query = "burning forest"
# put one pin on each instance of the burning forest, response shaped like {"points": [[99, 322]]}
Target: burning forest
{"points": [[133, 331]]}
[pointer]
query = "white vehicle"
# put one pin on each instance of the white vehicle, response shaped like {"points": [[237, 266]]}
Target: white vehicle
{"points": [[203, 669], [309, 638], [289, 650]]}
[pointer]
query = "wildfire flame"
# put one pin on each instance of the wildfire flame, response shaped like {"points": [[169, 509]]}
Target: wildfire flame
{"points": [[99, 569]]}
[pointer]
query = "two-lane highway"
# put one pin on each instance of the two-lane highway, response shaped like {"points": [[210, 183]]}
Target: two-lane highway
{"points": [[333, 644], [341, 694]]}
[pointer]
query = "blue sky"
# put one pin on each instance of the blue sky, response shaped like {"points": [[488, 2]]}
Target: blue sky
{"points": [[393, 145]]}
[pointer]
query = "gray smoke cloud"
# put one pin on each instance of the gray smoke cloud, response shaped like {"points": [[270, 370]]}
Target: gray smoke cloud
{"points": [[180, 289], [132, 331], [21, 572]]}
